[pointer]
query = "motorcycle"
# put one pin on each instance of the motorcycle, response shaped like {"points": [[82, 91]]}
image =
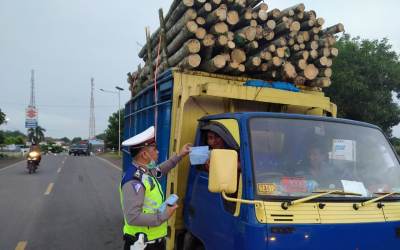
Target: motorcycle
{"points": [[33, 161]]}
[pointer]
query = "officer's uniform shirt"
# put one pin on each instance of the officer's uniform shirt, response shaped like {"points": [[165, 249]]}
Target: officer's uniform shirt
{"points": [[133, 192]]}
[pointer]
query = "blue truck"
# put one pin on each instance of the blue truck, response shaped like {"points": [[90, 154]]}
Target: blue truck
{"points": [[292, 175]]}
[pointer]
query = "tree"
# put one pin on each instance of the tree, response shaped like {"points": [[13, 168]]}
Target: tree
{"points": [[65, 140], [18, 140], [76, 140], [36, 135], [2, 117], [2, 137], [111, 138], [366, 74], [12, 137], [51, 147], [14, 133], [101, 136]]}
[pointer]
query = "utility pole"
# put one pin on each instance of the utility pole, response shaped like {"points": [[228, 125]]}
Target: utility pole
{"points": [[119, 118], [92, 121], [119, 89]]}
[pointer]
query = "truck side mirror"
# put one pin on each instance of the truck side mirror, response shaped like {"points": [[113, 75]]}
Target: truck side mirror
{"points": [[223, 171]]}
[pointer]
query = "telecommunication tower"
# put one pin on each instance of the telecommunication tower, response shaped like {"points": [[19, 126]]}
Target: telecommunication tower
{"points": [[92, 122], [31, 113], [32, 102]]}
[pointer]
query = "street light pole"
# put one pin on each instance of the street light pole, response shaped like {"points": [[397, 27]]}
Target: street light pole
{"points": [[119, 118], [119, 89]]}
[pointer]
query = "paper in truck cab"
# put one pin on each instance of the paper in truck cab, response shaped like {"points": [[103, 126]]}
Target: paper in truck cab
{"points": [[199, 155], [354, 187]]}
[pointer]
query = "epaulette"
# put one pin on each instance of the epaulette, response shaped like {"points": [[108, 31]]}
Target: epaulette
{"points": [[138, 175], [132, 173]]}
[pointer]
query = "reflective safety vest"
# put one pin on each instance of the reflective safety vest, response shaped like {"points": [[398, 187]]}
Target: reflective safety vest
{"points": [[153, 198]]}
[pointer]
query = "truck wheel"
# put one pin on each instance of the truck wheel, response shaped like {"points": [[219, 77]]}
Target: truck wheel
{"points": [[190, 242]]}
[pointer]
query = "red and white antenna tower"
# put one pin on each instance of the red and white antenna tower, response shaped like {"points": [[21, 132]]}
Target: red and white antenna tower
{"points": [[31, 113]]}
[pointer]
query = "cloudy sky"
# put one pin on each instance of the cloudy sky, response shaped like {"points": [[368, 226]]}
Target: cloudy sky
{"points": [[67, 42]]}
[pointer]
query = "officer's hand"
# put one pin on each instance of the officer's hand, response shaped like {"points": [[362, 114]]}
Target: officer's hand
{"points": [[185, 150], [171, 210]]}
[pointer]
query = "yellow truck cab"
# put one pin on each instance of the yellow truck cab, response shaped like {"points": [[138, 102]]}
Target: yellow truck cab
{"points": [[300, 178]]}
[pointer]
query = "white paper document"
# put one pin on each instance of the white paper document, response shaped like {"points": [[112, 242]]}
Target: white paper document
{"points": [[344, 150], [354, 187], [199, 155]]}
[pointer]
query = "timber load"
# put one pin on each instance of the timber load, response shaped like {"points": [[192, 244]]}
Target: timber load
{"points": [[240, 38]]}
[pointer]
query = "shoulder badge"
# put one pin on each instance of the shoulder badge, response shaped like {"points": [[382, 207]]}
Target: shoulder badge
{"points": [[137, 187], [138, 175]]}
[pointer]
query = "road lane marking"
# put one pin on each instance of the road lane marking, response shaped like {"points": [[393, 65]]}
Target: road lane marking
{"points": [[11, 166], [21, 245], [59, 170], [49, 188], [109, 163]]}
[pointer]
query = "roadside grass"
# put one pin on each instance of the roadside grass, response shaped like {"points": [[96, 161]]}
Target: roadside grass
{"points": [[112, 155], [7, 158], [10, 155]]}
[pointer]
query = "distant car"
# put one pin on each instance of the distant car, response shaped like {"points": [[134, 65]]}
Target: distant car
{"points": [[79, 149]]}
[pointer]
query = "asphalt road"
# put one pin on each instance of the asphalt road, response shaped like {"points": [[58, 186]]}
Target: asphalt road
{"points": [[70, 203]]}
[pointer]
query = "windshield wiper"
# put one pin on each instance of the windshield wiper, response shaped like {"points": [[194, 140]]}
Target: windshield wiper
{"points": [[380, 205], [285, 205]]}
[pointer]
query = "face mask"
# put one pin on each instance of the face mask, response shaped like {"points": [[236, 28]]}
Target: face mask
{"points": [[152, 164]]}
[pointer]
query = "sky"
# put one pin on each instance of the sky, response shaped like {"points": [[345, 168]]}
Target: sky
{"points": [[68, 42]]}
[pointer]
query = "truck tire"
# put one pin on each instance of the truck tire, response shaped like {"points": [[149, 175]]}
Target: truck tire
{"points": [[190, 242]]}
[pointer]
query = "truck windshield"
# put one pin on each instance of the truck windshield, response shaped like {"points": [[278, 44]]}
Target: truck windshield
{"points": [[294, 157]]}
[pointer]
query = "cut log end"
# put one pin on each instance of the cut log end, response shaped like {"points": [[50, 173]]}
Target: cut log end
{"points": [[311, 72], [200, 33], [232, 17], [238, 55], [208, 40], [321, 82], [289, 71], [193, 46], [216, 63], [220, 28], [200, 21]]}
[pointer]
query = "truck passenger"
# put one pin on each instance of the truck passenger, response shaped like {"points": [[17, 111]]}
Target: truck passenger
{"points": [[142, 195]]}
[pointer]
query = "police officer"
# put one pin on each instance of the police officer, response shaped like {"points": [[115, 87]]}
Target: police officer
{"points": [[141, 193]]}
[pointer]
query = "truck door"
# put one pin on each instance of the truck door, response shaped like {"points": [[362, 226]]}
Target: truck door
{"points": [[211, 219]]}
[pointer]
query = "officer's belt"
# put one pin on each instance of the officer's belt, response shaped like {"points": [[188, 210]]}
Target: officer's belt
{"points": [[155, 241]]}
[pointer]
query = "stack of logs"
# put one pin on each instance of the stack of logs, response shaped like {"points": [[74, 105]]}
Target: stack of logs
{"points": [[239, 37]]}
